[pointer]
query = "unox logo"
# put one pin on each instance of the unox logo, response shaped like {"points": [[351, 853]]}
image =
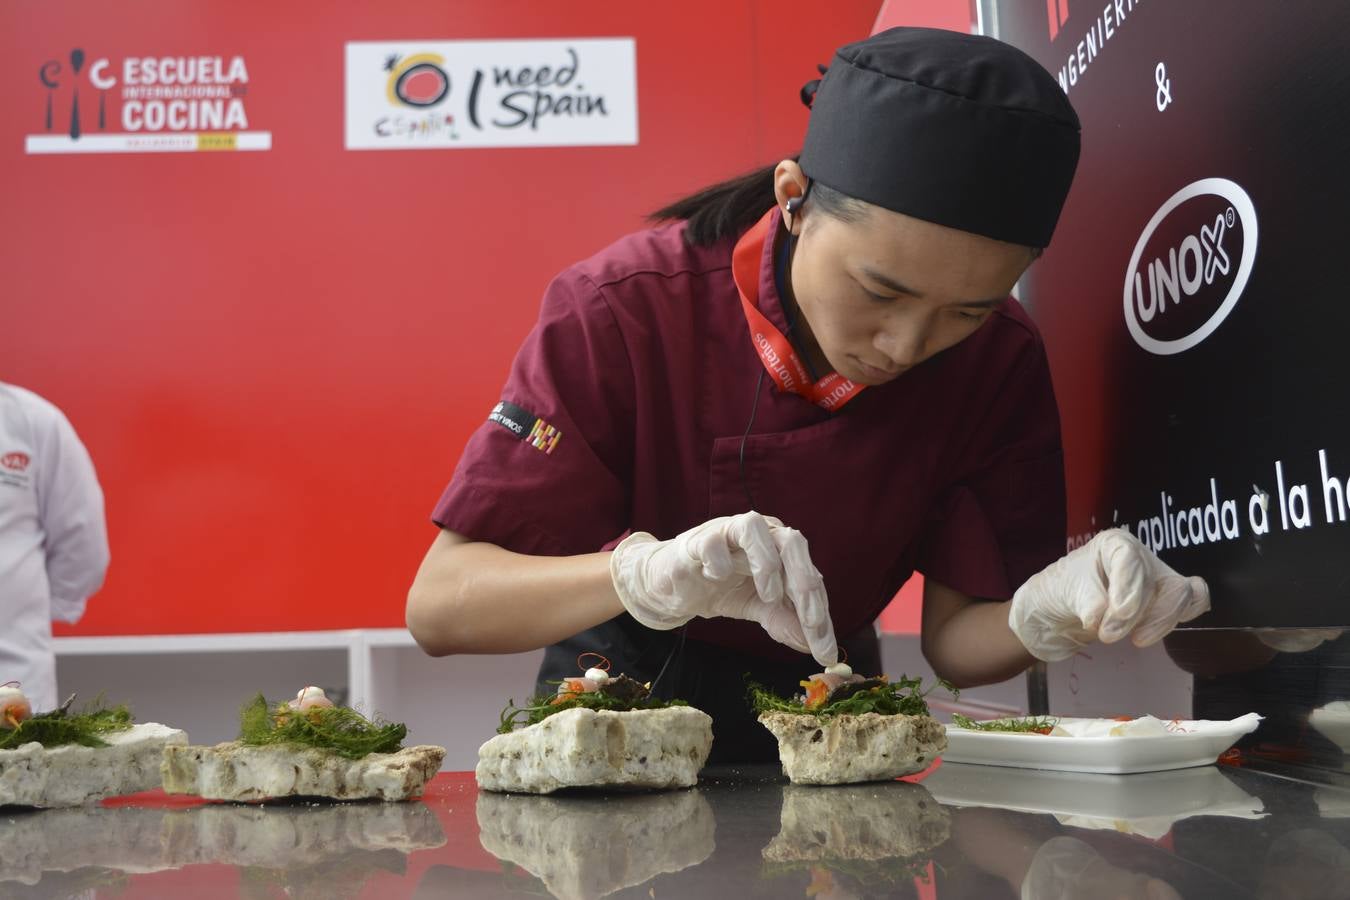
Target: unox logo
{"points": [[15, 462], [1190, 266], [1058, 13]]}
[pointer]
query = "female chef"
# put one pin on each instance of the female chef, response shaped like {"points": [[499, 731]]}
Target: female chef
{"points": [[731, 438]]}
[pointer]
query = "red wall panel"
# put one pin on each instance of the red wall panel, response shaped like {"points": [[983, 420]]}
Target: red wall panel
{"points": [[275, 357], [953, 15], [904, 614]]}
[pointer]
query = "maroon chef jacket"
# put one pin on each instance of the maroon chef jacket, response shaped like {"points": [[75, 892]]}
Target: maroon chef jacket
{"points": [[642, 365]]}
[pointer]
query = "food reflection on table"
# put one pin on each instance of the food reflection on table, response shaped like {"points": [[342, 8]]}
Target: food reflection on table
{"points": [[1147, 804], [293, 845], [997, 852], [859, 838], [589, 844]]}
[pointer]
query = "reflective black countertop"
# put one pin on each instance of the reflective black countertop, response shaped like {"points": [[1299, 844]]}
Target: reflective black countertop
{"points": [[962, 832]]}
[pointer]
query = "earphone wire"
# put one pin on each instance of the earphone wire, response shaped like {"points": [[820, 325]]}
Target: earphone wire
{"points": [[784, 267], [745, 486], [676, 649]]}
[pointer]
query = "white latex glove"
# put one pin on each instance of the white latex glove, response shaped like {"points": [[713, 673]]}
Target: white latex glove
{"points": [[747, 566], [1110, 587], [1065, 867], [1296, 640]]}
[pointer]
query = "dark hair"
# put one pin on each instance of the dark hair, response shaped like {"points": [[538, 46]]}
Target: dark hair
{"points": [[729, 208]]}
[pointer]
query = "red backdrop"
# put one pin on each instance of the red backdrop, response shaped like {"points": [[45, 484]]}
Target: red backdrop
{"points": [[275, 357]]}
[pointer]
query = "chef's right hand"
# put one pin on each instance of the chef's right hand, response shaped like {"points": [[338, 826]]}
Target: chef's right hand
{"points": [[747, 566]]}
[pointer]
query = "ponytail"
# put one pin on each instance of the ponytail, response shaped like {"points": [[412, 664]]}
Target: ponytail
{"points": [[728, 209], [724, 210]]}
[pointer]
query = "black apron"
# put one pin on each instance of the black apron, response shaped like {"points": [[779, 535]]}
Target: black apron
{"points": [[710, 678]]}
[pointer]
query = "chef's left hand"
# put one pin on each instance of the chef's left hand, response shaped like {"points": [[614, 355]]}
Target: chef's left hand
{"points": [[1108, 588]]}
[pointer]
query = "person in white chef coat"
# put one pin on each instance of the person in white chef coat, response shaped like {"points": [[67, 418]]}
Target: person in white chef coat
{"points": [[53, 538]]}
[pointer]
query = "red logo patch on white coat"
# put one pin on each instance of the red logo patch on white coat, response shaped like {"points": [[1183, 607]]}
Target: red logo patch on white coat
{"points": [[15, 462]]}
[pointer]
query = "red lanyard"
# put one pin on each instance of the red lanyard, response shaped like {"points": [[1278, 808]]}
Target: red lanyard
{"points": [[775, 350]]}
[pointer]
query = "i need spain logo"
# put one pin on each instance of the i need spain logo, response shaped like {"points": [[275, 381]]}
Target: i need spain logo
{"points": [[422, 95]]}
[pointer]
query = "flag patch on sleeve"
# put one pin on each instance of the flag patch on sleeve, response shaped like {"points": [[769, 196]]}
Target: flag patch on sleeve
{"points": [[525, 425]]}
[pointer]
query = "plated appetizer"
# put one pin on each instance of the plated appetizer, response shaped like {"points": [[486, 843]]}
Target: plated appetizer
{"points": [[1052, 726], [596, 730], [1122, 745], [65, 758], [306, 747], [847, 728]]}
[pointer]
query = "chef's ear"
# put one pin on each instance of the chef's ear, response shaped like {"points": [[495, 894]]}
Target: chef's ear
{"points": [[789, 188]]}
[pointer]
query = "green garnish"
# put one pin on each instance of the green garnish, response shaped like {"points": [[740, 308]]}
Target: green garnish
{"points": [[59, 727], [343, 731], [1029, 725], [890, 698], [541, 706]]}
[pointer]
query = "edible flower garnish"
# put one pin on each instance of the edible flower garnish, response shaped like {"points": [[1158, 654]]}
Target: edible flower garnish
{"points": [[14, 706]]}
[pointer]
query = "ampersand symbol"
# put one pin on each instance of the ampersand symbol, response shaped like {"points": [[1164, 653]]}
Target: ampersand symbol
{"points": [[1164, 97]]}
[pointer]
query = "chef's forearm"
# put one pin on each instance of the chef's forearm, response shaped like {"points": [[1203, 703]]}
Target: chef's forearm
{"points": [[968, 641], [473, 597]]}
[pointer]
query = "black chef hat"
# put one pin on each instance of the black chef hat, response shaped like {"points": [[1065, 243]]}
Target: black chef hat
{"points": [[957, 129]]}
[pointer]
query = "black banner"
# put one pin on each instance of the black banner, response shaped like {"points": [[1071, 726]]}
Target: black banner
{"points": [[1194, 299]]}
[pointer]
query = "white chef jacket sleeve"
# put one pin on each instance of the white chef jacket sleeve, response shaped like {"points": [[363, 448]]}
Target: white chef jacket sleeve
{"points": [[70, 504]]}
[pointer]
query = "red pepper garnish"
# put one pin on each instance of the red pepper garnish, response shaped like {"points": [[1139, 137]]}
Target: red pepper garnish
{"points": [[816, 693]]}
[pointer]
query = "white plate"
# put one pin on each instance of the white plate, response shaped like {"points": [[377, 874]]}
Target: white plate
{"points": [[1147, 804], [1199, 744]]}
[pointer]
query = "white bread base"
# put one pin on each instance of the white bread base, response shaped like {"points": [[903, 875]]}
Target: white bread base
{"points": [[641, 749], [851, 749], [73, 775], [235, 771]]}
